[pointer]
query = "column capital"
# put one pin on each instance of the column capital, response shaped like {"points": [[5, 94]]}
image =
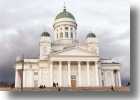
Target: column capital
{"points": [[68, 62], [78, 62], [96, 62], [88, 62]]}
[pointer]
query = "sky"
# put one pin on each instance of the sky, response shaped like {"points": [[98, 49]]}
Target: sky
{"points": [[23, 21]]}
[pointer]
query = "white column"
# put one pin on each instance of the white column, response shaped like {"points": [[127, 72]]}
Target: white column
{"points": [[88, 80], [51, 73], [113, 79], [24, 78], [97, 74], [79, 73], [69, 74], [119, 78], [60, 73], [100, 77], [17, 80]]}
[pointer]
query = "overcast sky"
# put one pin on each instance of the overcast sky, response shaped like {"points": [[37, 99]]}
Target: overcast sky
{"points": [[22, 21]]}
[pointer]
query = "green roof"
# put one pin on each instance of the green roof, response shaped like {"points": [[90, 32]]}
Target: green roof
{"points": [[45, 34], [91, 35], [64, 14]]}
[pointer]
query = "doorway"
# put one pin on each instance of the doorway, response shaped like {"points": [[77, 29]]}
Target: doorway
{"points": [[73, 81]]}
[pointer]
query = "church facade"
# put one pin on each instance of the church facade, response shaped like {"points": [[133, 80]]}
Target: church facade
{"points": [[65, 61]]}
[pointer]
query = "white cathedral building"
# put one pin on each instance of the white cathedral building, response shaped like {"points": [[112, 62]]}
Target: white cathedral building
{"points": [[65, 61]]}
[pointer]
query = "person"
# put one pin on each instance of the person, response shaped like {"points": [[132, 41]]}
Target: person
{"points": [[57, 84], [112, 88], [53, 84], [59, 89], [40, 86], [44, 86]]}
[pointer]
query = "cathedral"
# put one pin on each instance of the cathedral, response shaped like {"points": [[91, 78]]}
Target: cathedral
{"points": [[66, 61]]}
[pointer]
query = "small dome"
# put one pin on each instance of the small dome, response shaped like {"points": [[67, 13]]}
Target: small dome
{"points": [[64, 14], [91, 35], [45, 34]]}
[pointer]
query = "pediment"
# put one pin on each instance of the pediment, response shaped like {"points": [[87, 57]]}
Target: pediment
{"points": [[74, 52]]}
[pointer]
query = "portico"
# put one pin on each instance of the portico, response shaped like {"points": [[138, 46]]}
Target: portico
{"points": [[82, 72]]}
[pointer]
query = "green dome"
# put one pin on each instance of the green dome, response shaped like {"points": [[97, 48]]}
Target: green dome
{"points": [[91, 35], [64, 14], [45, 34]]}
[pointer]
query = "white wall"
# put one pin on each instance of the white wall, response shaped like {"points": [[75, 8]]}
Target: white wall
{"points": [[17, 79], [28, 78]]}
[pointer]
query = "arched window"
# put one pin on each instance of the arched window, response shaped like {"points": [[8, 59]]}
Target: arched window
{"points": [[102, 73], [102, 82], [66, 34], [35, 73], [66, 28], [71, 35], [57, 35], [61, 35]]}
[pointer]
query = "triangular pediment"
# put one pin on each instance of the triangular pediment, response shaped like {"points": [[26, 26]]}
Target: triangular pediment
{"points": [[74, 52]]}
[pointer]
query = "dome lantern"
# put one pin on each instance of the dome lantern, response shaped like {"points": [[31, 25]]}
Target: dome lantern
{"points": [[64, 14], [45, 34], [91, 35]]}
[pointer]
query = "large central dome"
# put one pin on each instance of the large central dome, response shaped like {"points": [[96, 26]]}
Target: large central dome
{"points": [[64, 14]]}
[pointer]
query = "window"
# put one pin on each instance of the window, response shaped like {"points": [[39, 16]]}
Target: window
{"points": [[71, 28], [73, 77], [66, 34], [102, 73], [102, 82], [71, 35], [66, 28], [61, 35], [35, 73], [57, 35], [114, 71]]}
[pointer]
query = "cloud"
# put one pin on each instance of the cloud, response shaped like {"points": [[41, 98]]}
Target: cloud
{"points": [[21, 23]]}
